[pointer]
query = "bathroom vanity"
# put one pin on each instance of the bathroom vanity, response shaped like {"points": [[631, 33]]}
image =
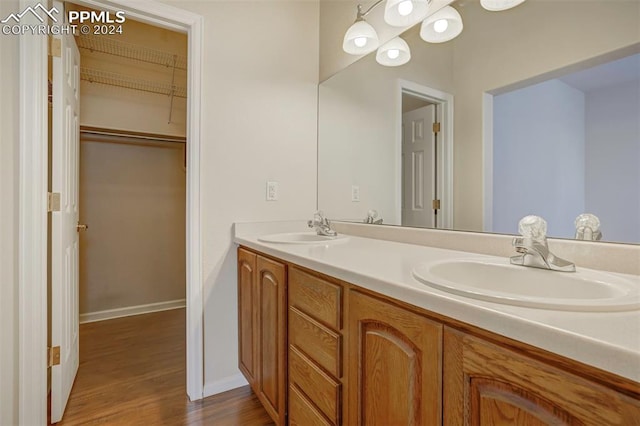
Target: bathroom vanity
{"points": [[341, 333]]}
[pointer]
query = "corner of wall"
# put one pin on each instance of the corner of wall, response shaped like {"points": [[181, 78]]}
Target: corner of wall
{"points": [[9, 151], [224, 384]]}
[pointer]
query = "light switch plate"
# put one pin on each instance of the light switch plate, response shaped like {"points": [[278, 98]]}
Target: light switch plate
{"points": [[272, 191]]}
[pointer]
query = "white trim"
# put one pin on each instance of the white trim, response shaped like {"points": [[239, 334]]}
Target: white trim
{"points": [[195, 294], [148, 11], [32, 233], [487, 162], [398, 151], [32, 262], [445, 156], [223, 385], [132, 310]]}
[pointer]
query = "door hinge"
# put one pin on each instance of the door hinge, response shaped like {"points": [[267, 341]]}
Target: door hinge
{"points": [[436, 127], [53, 202], [53, 356], [55, 47], [436, 204]]}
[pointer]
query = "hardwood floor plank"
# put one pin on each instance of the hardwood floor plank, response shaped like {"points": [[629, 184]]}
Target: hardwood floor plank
{"points": [[132, 372]]}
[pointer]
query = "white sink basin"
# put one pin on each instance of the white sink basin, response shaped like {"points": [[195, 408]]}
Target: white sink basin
{"points": [[501, 282], [301, 238]]}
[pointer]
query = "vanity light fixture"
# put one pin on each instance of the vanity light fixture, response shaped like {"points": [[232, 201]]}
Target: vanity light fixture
{"points": [[444, 25], [361, 37], [402, 13], [393, 53], [498, 5]]}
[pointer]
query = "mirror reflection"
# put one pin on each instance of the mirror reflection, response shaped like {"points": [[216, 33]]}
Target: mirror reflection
{"points": [[534, 110]]}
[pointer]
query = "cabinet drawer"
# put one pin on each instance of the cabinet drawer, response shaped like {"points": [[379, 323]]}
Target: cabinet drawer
{"points": [[302, 411], [316, 297], [320, 388], [315, 339]]}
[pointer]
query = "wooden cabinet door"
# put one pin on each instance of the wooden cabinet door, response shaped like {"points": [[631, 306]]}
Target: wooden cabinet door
{"points": [[487, 385], [247, 316], [271, 308], [394, 365]]}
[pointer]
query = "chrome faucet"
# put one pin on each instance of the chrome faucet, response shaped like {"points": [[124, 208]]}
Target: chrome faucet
{"points": [[534, 249], [588, 227], [372, 218], [322, 225]]}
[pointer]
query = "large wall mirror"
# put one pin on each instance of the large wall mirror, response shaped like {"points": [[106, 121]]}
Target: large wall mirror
{"points": [[533, 110]]}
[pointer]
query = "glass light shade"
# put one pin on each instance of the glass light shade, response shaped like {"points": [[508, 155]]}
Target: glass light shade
{"points": [[360, 38], [498, 5], [393, 53], [402, 13], [444, 32]]}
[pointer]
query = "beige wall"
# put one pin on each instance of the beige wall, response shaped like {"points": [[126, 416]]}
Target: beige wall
{"points": [[9, 78], [133, 199], [259, 104], [358, 141], [494, 50], [259, 110], [574, 32], [120, 108]]}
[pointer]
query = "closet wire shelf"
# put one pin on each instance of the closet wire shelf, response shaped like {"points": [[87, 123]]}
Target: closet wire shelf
{"points": [[119, 80], [136, 52]]}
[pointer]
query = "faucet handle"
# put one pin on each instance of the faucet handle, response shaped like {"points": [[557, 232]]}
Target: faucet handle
{"points": [[533, 227], [588, 227]]}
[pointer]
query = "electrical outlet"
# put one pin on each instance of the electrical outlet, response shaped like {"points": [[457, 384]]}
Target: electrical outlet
{"points": [[272, 191], [355, 193]]}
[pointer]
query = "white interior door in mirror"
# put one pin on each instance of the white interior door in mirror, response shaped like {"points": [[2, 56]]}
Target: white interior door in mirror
{"points": [[418, 167]]}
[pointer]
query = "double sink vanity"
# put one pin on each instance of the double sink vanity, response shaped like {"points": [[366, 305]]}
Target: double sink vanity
{"points": [[418, 324], [351, 330]]}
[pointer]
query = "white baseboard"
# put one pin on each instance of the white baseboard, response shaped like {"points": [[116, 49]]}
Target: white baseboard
{"points": [[132, 310], [223, 385]]}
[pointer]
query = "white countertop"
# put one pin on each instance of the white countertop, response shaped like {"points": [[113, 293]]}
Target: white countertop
{"points": [[606, 340]]}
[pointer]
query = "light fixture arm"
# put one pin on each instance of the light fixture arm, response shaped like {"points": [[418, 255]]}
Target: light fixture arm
{"points": [[361, 15]]}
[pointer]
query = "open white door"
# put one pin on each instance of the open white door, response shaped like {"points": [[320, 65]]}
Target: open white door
{"points": [[64, 223], [418, 167]]}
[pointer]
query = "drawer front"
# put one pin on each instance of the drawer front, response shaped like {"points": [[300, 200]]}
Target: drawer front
{"points": [[302, 411], [316, 340], [323, 391], [315, 297]]}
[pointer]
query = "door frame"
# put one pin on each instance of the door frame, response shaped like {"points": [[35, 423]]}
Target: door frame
{"points": [[445, 155], [487, 161], [34, 170]]}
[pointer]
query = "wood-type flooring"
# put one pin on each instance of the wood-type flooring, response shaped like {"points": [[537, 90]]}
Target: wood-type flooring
{"points": [[132, 372]]}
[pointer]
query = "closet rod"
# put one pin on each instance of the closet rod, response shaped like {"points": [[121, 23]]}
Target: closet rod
{"points": [[149, 137]]}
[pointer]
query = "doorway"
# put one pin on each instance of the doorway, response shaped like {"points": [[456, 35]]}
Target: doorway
{"points": [[419, 166], [125, 176], [33, 205], [425, 145]]}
